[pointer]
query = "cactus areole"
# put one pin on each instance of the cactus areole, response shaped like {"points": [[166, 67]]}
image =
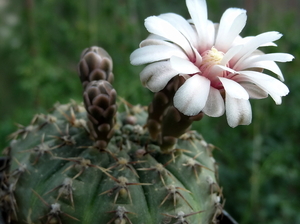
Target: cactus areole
{"points": [[92, 163]]}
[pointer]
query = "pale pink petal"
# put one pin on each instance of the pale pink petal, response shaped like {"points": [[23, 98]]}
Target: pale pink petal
{"points": [[238, 111], [234, 89], [191, 97], [224, 68], [198, 12], [213, 73], [217, 71], [254, 91], [214, 106], [198, 59], [272, 86], [154, 53], [183, 66], [232, 22], [156, 76], [163, 28]]}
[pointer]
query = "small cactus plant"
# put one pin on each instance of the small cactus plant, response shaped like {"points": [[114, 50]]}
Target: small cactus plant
{"points": [[94, 163]]}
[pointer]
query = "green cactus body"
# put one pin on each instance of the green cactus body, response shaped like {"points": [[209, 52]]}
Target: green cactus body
{"points": [[60, 172]]}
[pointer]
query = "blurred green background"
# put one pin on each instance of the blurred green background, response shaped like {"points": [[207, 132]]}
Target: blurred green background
{"points": [[41, 40]]}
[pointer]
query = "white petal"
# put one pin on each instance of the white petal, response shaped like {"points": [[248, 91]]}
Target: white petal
{"points": [[238, 111], [182, 25], [266, 61], [225, 68], [253, 44], [230, 54], [183, 66], [234, 89], [163, 28], [191, 97], [244, 40], [231, 24], [269, 65], [157, 75], [273, 86], [154, 53], [217, 71], [254, 91], [153, 40], [214, 106], [198, 12], [278, 57], [211, 34]]}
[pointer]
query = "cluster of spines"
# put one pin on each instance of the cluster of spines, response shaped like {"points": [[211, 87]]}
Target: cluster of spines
{"points": [[42, 146]]}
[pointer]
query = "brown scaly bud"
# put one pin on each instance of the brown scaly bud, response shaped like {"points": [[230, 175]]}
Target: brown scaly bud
{"points": [[95, 64], [165, 123], [100, 102], [174, 125], [161, 101]]}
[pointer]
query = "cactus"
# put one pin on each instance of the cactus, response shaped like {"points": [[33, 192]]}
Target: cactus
{"points": [[94, 162]]}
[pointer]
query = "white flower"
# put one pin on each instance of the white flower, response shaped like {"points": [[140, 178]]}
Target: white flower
{"points": [[222, 69]]}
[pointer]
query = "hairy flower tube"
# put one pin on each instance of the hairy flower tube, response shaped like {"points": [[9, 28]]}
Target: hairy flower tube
{"points": [[222, 70]]}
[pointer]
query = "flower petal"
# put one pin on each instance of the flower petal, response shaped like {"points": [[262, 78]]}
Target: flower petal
{"points": [[269, 65], [254, 91], [238, 111], [191, 97], [156, 76], [214, 106], [278, 57], [211, 34], [273, 86], [183, 66], [182, 25], [154, 53], [234, 89], [161, 27], [230, 54], [231, 24], [266, 61], [253, 44], [198, 12], [244, 40], [153, 39]]}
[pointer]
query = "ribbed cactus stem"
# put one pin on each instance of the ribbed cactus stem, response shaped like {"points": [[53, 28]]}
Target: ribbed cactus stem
{"points": [[93, 165]]}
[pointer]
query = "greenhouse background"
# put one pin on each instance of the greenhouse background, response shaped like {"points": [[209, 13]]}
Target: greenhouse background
{"points": [[41, 41]]}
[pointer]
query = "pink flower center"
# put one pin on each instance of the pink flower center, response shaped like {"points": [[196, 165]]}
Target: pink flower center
{"points": [[209, 59]]}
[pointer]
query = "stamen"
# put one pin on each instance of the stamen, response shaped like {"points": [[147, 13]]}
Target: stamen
{"points": [[209, 58]]}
